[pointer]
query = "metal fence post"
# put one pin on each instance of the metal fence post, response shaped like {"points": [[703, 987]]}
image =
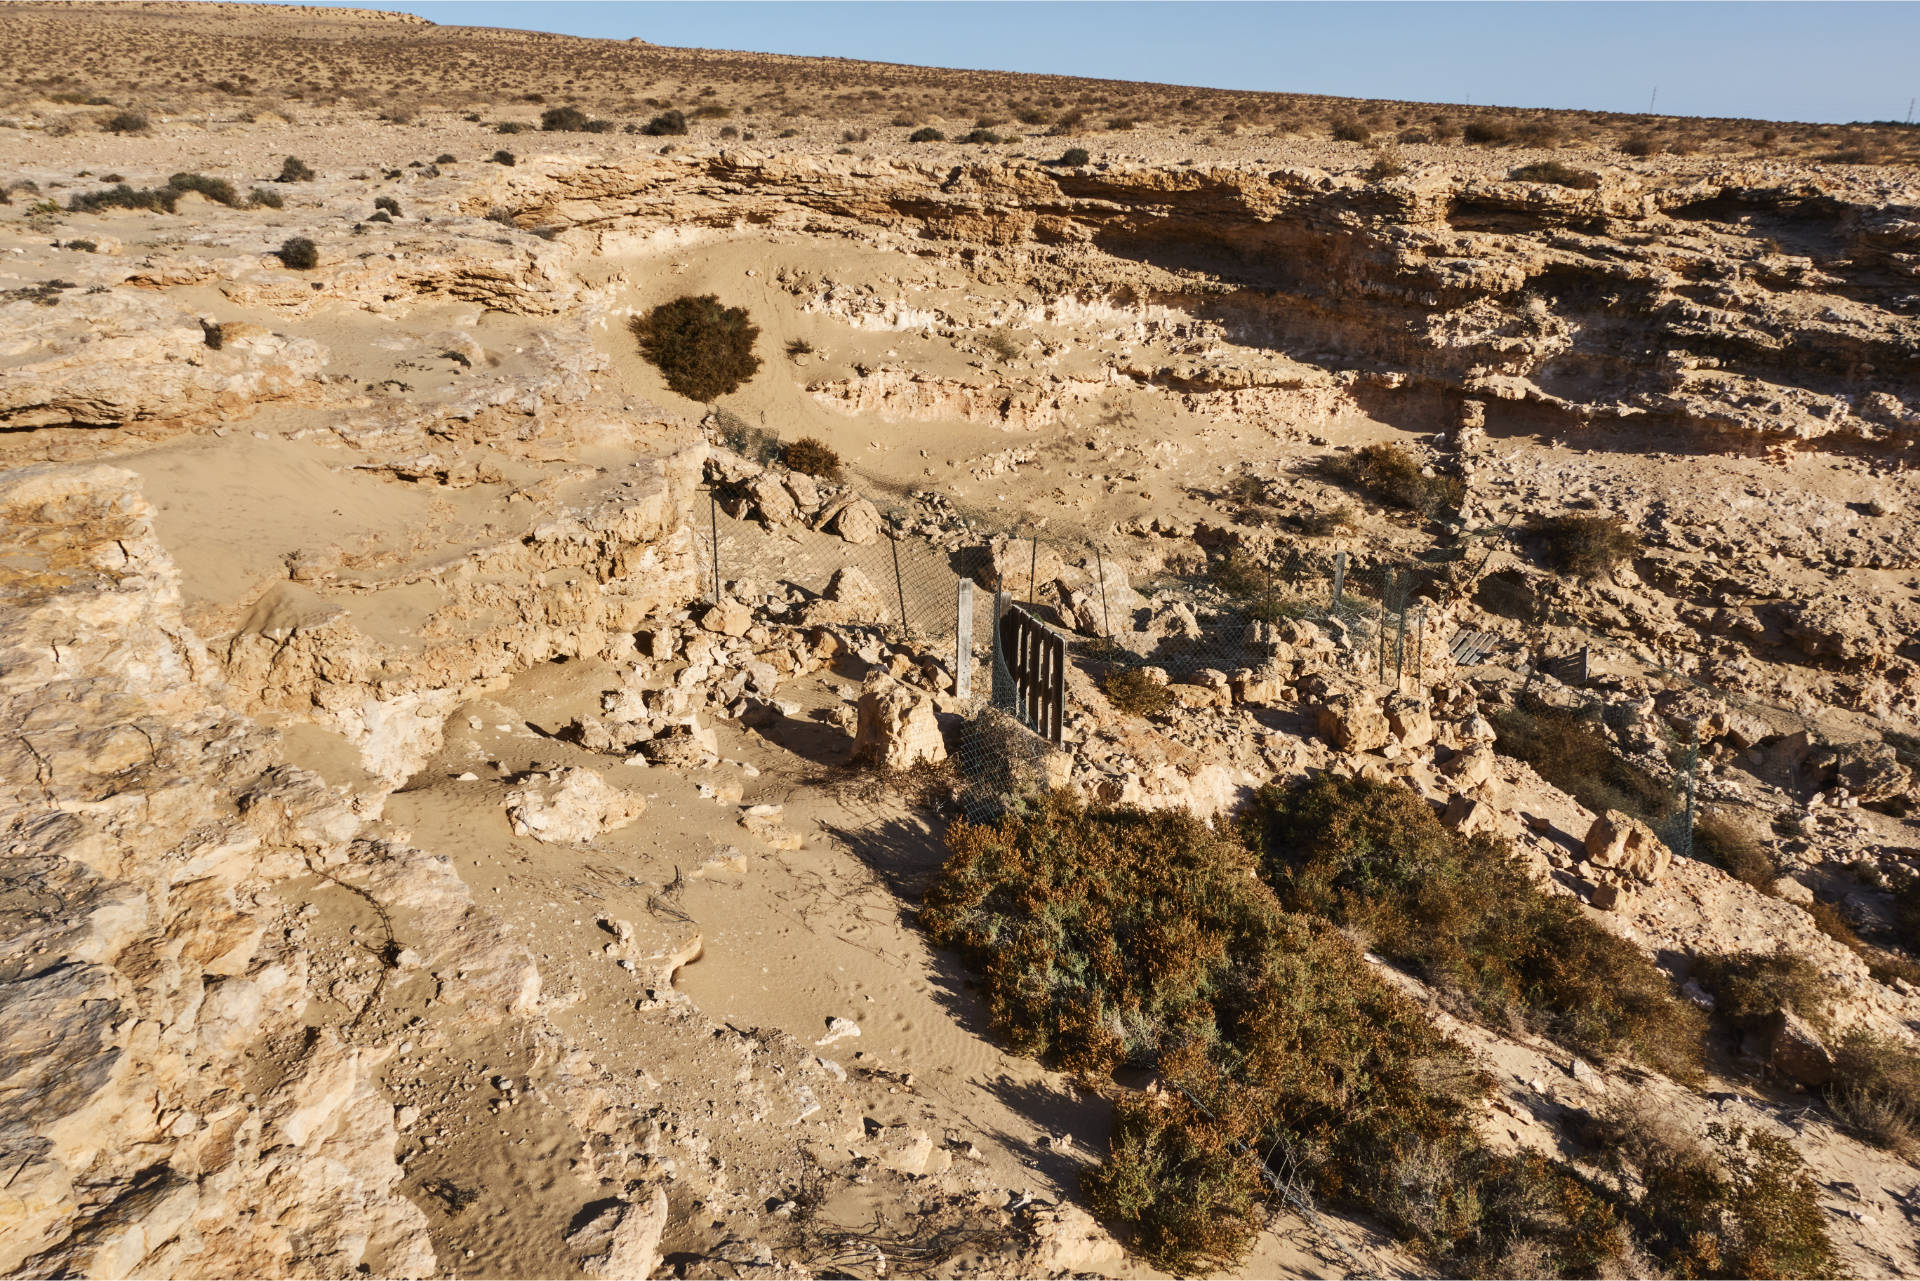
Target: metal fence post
{"points": [[963, 641], [899, 586], [1002, 684], [1339, 580], [1033, 571], [713, 526]]}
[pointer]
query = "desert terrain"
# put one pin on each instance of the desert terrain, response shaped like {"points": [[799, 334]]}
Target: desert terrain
{"points": [[474, 810]]}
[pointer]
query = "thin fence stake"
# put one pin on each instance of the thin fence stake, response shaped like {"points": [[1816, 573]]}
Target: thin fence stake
{"points": [[713, 518], [898, 586], [1339, 579], [1033, 572]]}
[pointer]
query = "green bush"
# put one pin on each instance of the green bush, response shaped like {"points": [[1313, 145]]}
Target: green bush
{"points": [[300, 253], [563, 120], [1073, 157], [218, 190], [158, 199], [1557, 174], [1132, 690], [1389, 473], [812, 456], [703, 349], [266, 198], [1463, 913], [1750, 987], [926, 134], [983, 136], [667, 123], [1111, 936], [294, 169]]}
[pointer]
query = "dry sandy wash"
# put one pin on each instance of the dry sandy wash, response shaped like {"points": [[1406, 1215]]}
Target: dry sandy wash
{"points": [[405, 873]]}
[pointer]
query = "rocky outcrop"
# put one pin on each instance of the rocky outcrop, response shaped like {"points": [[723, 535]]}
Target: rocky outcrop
{"points": [[613, 552], [570, 807], [127, 357], [897, 727], [156, 1070]]}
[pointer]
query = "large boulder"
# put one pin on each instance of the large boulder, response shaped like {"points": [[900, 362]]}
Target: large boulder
{"points": [[1410, 720], [773, 499], [1352, 721], [1786, 1043], [897, 726], [858, 522], [1625, 844], [570, 807]]}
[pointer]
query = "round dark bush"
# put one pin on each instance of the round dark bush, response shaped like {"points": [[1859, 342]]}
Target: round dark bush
{"points": [[563, 120], [927, 134], [295, 170], [666, 123], [503, 158], [300, 253], [387, 203], [1075, 156], [127, 122], [703, 349]]}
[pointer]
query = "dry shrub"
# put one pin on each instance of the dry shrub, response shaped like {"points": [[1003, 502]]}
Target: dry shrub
{"points": [[1636, 144], [1585, 546], [1389, 473], [1487, 133], [1731, 848], [812, 456], [218, 190], [926, 134], [1111, 936], [1875, 1091], [1131, 690], [299, 253], [1750, 987], [1576, 754], [294, 169], [703, 349], [1463, 913], [1557, 174], [266, 198], [123, 196], [1730, 1203]]}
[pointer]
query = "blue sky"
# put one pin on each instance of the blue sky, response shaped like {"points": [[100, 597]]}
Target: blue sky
{"points": [[1783, 61]]}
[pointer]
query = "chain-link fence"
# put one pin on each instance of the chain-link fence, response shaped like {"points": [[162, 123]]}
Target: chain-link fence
{"points": [[917, 583]]}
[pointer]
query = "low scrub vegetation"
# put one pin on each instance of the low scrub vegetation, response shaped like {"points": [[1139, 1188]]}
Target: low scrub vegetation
{"points": [[294, 169], [1133, 691], [1731, 848], [1463, 914], [1751, 987], [266, 198], [1109, 937], [300, 253], [1585, 546], [218, 190], [1393, 476], [126, 122], [124, 196], [812, 456], [1577, 755], [926, 134], [1875, 1092], [666, 124], [703, 349], [1557, 174]]}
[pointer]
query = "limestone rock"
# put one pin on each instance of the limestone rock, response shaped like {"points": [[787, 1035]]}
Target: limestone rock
{"points": [[622, 1242], [727, 617], [571, 806], [1410, 720], [858, 522], [1624, 843], [897, 726], [1788, 1044], [1353, 722]]}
